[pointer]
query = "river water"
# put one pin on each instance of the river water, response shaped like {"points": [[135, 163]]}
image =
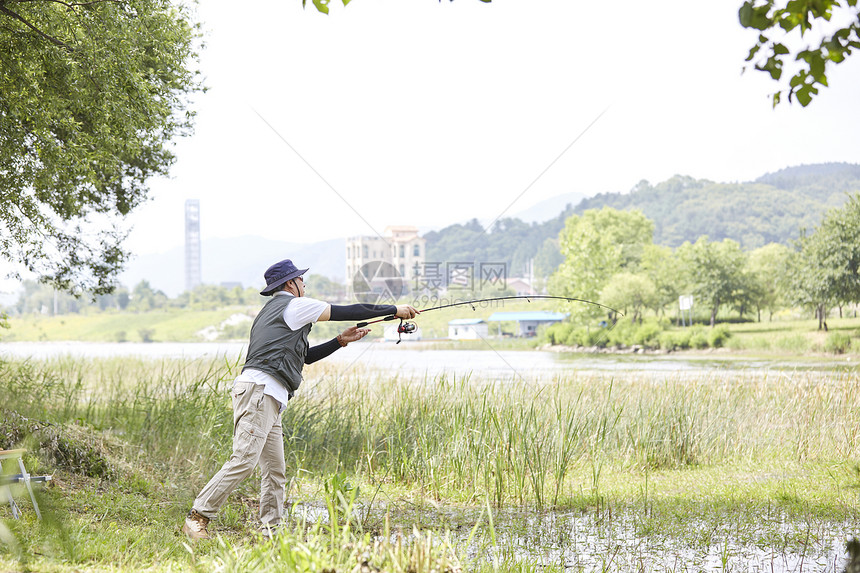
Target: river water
{"points": [[418, 359]]}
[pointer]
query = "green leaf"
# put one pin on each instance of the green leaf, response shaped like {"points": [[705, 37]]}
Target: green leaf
{"points": [[322, 5], [753, 51], [773, 65], [755, 17], [804, 94], [745, 14], [798, 79], [816, 65]]}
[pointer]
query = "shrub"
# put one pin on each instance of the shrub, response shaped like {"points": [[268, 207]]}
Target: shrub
{"points": [[666, 341], [583, 336], [682, 338], [837, 343], [647, 334], [718, 336], [698, 338], [557, 333]]}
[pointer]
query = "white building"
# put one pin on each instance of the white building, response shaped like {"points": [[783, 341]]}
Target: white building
{"points": [[399, 246], [467, 329]]}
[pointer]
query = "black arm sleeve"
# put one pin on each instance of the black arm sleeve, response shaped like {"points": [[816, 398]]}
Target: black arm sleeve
{"points": [[361, 311], [320, 351]]}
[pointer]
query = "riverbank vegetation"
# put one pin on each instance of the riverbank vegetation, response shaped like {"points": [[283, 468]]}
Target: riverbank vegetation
{"points": [[609, 257], [646, 471], [785, 335]]}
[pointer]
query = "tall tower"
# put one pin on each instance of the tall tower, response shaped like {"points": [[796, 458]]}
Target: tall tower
{"points": [[192, 243]]}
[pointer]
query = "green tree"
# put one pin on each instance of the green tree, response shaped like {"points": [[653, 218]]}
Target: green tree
{"points": [[767, 268], [595, 246], [827, 264], [322, 287], [145, 298], [783, 24], [118, 299], [841, 255], [40, 298], [627, 291], [209, 297], [91, 93], [715, 272], [809, 282], [665, 270]]}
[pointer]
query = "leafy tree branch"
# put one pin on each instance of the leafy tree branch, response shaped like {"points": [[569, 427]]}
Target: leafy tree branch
{"points": [[771, 50], [91, 95]]}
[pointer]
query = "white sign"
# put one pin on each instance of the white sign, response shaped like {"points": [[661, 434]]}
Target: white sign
{"points": [[685, 301]]}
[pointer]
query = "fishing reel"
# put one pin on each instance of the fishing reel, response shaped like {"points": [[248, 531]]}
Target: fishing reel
{"points": [[405, 328]]}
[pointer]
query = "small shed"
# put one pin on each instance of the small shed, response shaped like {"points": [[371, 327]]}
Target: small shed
{"points": [[528, 322], [467, 329]]}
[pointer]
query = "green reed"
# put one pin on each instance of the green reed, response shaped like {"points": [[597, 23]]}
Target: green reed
{"points": [[456, 438]]}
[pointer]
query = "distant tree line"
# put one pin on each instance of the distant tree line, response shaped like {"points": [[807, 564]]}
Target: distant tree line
{"points": [[43, 299], [610, 257]]}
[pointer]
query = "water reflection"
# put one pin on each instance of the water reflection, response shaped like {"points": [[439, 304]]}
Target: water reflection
{"points": [[625, 540]]}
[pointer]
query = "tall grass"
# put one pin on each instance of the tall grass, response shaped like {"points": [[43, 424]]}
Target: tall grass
{"points": [[150, 433], [511, 442]]}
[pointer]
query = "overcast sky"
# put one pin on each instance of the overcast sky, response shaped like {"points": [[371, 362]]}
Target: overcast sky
{"points": [[429, 113]]}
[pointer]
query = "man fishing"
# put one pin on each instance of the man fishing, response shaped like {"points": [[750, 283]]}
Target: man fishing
{"points": [[277, 351]]}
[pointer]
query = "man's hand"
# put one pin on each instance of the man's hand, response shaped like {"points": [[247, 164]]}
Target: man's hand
{"points": [[352, 334], [405, 311]]}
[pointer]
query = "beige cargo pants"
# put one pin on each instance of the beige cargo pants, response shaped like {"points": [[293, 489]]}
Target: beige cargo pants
{"points": [[257, 439]]}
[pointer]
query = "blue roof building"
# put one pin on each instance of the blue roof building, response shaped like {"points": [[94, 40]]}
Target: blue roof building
{"points": [[528, 321]]}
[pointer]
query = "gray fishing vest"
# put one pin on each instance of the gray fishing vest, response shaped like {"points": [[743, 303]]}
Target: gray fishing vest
{"points": [[275, 348]]}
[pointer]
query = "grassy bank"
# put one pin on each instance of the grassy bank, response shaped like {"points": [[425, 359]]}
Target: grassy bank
{"points": [[174, 325], [721, 461]]}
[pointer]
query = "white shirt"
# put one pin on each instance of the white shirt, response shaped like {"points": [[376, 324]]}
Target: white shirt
{"points": [[298, 313]]}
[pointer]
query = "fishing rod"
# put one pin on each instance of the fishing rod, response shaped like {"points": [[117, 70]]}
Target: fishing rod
{"points": [[406, 327]]}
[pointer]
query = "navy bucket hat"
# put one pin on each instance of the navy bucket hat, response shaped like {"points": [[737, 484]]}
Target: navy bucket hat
{"points": [[278, 274]]}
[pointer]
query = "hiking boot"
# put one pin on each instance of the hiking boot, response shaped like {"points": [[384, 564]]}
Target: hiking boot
{"points": [[195, 525], [269, 531]]}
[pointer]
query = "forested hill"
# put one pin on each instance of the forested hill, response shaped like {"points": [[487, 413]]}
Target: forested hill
{"points": [[511, 241], [771, 209]]}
